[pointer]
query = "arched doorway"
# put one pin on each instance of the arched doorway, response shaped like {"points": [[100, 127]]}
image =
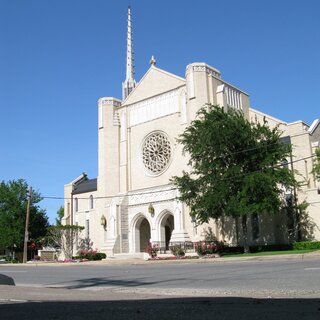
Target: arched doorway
{"points": [[145, 234], [166, 229], [141, 233]]}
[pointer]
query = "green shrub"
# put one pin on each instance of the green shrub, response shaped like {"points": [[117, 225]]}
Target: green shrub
{"points": [[100, 256], [270, 247], [177, 251], [9, 259], [306, 245], [90, 255], [210, 247]]}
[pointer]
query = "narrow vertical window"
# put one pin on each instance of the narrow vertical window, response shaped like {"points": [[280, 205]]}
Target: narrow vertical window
{"points": [[87, 228], [91, 202], [76, 204], [77, 238]]}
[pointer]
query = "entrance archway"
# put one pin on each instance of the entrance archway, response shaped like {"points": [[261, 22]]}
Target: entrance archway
{"points": [[141, 233], [166, 229], [145, 234]]}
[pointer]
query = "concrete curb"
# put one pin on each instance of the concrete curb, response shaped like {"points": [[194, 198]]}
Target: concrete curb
{"points": [[137, 261]]}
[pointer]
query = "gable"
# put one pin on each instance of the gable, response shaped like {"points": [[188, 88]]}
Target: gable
{"points": [[154, 82], [314, 131]]}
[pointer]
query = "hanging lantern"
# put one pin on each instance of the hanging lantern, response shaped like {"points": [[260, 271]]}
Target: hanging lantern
{"points": [[103, 221], [151, 209]]}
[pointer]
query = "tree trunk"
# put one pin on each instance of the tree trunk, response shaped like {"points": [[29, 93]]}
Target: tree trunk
{"points": [[298, 223], [237, 229], [245, 234]]}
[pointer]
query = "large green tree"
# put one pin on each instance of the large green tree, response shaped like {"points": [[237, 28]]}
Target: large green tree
{"points": [[13, 207], [235, 167]]}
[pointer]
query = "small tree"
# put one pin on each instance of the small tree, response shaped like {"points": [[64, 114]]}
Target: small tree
{"points": [[65, 237], [60, 214], [234, 167]]}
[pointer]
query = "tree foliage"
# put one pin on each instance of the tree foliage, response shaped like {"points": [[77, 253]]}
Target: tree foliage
{"points": [[60, 214], [13, 207], [316, 166], [234, 166]]}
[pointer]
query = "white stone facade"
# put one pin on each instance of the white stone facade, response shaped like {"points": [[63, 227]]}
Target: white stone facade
{"points": [[132, 202], [138, 155]]}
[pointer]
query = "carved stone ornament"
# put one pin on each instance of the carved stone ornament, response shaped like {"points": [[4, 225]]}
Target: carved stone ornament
{"points": [[156, 152]]}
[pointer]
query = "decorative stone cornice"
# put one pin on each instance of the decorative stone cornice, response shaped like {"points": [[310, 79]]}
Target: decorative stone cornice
{"points": [[110, 101], [203, 67], [152, 196]]}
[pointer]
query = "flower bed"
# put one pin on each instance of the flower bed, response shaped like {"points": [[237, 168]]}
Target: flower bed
{"points": [[173, 258]]}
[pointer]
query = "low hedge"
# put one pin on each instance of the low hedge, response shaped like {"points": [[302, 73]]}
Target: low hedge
{"points": [[306, 245], [271, 247], [90, 255]]}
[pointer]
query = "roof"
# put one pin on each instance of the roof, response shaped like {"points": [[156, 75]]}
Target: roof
{"points": [[85, 186], [314, 126], [155, 81]]}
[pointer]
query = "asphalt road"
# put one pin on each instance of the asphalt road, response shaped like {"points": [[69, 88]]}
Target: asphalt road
{"points": [[277, 289], [278, 277]]}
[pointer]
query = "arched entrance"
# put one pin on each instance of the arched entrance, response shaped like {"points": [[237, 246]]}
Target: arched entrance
{"points": [[145, 234], [141, 233], [166, 229]]}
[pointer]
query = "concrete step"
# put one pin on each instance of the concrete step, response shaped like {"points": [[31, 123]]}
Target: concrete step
{"points": [[127, 256]]}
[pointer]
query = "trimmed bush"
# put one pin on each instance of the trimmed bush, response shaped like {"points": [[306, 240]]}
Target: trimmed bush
{"points": [[271, 247], [177, 251], [91, 255], [306, 245], [100, 256]]}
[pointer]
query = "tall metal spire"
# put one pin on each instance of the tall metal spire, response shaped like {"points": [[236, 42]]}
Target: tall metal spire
{"points": [[129, 83]]}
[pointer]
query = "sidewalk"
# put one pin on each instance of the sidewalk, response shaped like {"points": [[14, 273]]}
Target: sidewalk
{"points": [[120, 260]]}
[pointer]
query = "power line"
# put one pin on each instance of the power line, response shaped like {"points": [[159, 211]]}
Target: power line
{"points": [[263, 146], [171, 189], [241, 174], [108, 197]]}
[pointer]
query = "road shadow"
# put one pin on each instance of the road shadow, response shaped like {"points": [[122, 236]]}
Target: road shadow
{"points": [[110, 282], [6, 280], [174, 308]]}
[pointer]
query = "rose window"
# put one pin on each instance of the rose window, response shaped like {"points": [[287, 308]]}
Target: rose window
{"points": [[156, 152]]}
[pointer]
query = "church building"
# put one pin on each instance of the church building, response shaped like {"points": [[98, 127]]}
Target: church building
{"points": [[132, 202]]}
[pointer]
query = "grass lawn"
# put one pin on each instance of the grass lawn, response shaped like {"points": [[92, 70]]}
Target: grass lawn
{"points": [[267, 253]]}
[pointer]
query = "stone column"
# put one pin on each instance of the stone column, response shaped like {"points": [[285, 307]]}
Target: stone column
{"points": [[179, 233]]}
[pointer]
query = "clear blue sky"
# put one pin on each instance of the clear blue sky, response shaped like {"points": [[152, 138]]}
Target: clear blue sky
{"points": [[58, 57]]}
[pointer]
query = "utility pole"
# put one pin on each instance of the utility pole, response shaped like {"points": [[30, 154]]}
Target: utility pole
{"points": [[26, 232]]}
